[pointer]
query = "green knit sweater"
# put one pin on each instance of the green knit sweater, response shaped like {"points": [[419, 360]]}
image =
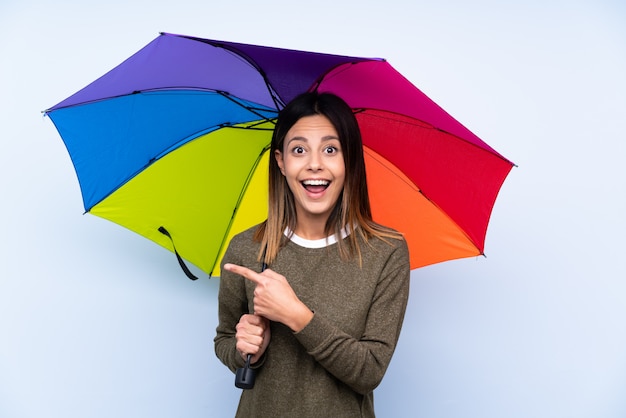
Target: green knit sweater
{"points": [[332, 366]]}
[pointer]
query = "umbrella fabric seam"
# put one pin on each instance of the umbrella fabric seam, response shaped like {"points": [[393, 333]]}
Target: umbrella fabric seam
{"points": [[374, 155], [430, 126], [278, 102], [237, 205]]}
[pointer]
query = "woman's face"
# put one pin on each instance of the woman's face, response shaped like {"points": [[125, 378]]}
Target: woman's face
{"points": [[312, 162]]}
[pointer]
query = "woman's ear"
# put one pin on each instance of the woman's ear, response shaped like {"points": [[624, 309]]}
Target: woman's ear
{"points": [[279, 160]]}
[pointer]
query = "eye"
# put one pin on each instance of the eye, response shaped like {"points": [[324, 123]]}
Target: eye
{"points": [[331, 150], [298, 149]]}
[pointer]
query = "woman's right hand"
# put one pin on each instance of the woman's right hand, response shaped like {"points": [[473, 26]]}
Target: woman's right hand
{"points": [[253, 336]]}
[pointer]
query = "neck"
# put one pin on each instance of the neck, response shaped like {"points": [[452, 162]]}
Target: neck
{"points": [[311, 227]]}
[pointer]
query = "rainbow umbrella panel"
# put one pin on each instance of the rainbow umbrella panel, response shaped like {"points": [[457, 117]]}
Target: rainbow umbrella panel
{"points": [[173, 144]]}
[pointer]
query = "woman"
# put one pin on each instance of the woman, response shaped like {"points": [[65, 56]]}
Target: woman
{"points": [[322, 321]]}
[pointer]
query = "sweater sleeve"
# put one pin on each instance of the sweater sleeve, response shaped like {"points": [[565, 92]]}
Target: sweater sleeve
{"points": [[225, 342], [361, 363], [232, 304]]}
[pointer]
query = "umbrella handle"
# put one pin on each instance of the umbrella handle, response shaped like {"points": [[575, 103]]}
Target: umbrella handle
{"points": [[244, 378]]}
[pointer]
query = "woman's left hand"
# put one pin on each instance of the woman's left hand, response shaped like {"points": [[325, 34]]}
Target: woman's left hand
{"points": [[274, 298]]}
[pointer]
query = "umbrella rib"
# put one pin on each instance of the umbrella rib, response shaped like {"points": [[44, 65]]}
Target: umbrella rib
{"points": [[253, 127], [425, 125], [321, 78], [250, 109], [375, 156], [236, 208], [277, 100], [156, 90], [175, 146]]}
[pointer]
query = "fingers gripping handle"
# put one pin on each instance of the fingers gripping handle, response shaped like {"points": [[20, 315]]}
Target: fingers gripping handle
{"points": [[245, 376]]}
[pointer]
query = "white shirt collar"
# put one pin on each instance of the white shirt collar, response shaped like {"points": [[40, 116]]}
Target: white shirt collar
{"points": [[315, 243]]}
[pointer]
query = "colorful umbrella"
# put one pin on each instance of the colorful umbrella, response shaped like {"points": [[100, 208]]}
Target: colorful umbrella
{"points": [[172, 144]]}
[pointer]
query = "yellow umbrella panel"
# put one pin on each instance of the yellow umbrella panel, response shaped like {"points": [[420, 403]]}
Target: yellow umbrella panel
{"points": [[202, 193]]}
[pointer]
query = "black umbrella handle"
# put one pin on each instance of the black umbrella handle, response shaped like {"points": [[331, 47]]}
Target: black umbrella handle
{"points": [[245, 376]]}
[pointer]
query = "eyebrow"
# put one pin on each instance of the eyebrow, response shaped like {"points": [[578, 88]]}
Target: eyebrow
{"points": [[302, 138]]}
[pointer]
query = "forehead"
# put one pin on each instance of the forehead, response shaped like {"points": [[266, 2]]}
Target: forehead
{"points": [[312, 127]]}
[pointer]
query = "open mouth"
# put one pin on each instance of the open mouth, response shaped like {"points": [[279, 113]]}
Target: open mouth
{"points": [[315, 186]]}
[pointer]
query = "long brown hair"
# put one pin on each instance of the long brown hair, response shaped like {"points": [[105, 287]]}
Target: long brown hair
{"points": [[353, 206]]}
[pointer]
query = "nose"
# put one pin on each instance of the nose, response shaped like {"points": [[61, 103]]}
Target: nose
{"points": [[315, 162]]}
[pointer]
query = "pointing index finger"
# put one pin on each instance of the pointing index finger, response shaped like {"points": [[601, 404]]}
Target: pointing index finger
{"points": [[243, 272]]}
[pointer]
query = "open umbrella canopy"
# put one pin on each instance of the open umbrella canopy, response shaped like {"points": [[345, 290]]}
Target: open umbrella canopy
{"points": [[175, 140]]}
